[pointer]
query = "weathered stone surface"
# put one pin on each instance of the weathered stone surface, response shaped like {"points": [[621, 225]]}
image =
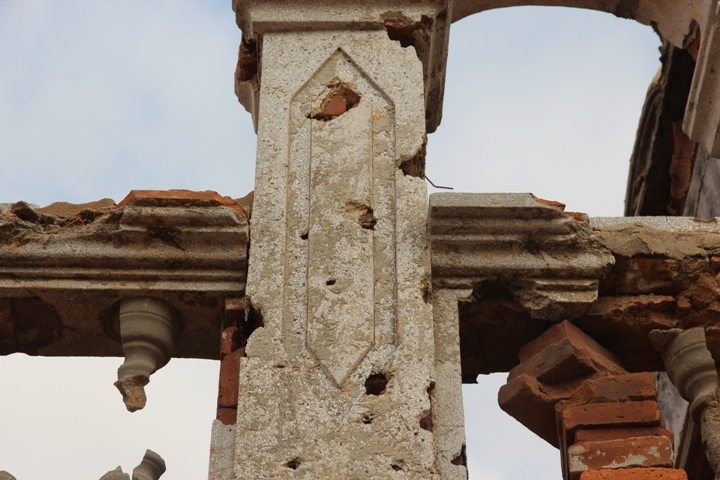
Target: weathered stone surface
{"points": [[222, 451], [69, 274], [652, 451], [547, 258], [636, 474], [424, 26], [6, 476], [564, 353], [665, 275], [338, 379], [447, 406]]}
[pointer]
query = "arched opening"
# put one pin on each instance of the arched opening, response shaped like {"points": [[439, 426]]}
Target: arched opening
{"points": [[544, 100]]}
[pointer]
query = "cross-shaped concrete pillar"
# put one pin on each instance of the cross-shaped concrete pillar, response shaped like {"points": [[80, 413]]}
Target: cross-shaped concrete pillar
{"points": [[339, 379]]}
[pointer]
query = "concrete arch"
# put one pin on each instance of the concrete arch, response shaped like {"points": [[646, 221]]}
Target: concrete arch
{"points": [[675, 21], [691, 24]]}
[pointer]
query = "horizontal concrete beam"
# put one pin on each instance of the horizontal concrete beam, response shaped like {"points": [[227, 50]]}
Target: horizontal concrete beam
{"points": [[531, 264], [64, 271]]}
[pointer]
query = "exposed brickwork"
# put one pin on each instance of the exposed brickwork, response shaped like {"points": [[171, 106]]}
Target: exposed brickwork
{"points": [[184, 198], [618, 414], [229, 340], [563, 353], [603, 434], [636, 474], [229, 376], [573, 392], [651, 451]]}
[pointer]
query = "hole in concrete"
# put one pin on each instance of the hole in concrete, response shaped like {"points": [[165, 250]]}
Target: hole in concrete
{"points": [[405, 32], [397, 468], [367, 419], [461, 458], [363, 214], [426, 289], [415, 166], [330, 282], [294, 463], [249, 59], [426, 422], [338, 99], [376, 384], [253, 320], [304, 236]]}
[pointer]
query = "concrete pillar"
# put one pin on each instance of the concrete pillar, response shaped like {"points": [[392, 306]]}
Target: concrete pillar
{"points": [[338, 377]]}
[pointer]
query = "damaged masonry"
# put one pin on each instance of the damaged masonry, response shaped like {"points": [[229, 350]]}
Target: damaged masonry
{"points": [[347, 311]]}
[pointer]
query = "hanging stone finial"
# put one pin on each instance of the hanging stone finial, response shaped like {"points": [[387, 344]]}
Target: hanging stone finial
{"points": [[149, 333], [151, 468]]}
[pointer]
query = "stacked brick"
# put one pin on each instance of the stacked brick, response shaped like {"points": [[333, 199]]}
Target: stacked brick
{"points": [[231, 350], [575, 394]]}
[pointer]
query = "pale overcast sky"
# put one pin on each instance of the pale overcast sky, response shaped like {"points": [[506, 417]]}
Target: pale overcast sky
{"points": [[101, 97]]}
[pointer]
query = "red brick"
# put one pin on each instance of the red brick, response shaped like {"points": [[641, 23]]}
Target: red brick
{"points": [[229, 379], [609, 415], [636, 474], [614, 388], [228, 416], [229, 340], [533, 404], [177, 198], [336, 106], [564, 353], [603, 434], [613, 454]]}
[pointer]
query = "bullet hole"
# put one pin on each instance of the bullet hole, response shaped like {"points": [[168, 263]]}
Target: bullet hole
{"points": [[397, 468], [294, 463], [367, 419], [376, 384], [331, 282], [363, 214], [426, 290], [304, 236], [426, 422], [337, 99], [461, 458]]}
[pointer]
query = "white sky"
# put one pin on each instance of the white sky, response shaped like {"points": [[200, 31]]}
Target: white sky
{"points": [[101, 97]]}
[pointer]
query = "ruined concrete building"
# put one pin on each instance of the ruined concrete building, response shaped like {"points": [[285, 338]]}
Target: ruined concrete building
{"points": [[347, 312]]}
